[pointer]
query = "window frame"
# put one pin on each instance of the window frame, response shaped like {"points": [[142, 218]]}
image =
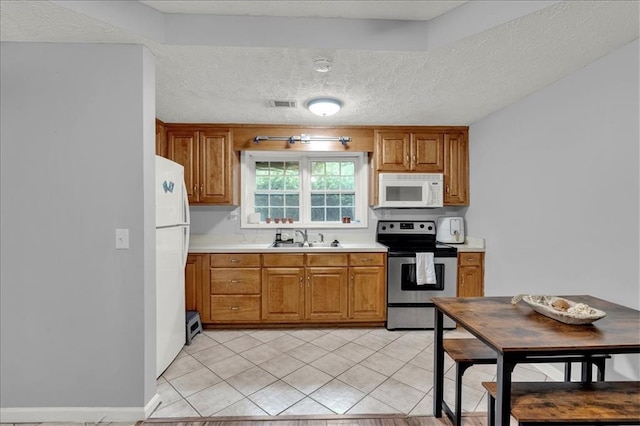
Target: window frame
{"points": [[248, 179]]}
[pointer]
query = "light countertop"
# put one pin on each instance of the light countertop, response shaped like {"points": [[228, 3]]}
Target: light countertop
{"points": [[471, 244], [209, 244], [240, 247]]}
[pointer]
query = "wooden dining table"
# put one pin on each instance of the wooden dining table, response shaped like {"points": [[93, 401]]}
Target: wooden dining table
{"points": [[516, 332]]}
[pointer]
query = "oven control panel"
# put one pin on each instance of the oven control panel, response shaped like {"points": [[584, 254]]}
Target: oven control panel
{"points": [[427, 227]]}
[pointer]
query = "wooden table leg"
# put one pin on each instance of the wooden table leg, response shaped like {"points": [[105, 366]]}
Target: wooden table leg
{"points": [[438, 364]]}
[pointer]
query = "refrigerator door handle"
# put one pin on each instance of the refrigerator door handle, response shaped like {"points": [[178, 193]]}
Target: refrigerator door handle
{"points": [[186, 231]]}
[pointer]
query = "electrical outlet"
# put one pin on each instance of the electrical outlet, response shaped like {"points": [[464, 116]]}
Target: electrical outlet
{"points": [[233, 216], [386, 214]]}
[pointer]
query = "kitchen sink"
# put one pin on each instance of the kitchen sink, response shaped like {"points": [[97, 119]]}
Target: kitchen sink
{"points": [[335, 245], [286, 244], [297, 244]]}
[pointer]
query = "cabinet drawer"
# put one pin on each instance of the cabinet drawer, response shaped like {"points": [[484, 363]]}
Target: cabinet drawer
{"points": [[317, 259], [235, 260], [470, 259], [235, 308], [235, 280], [283, 259], [366, 259]]}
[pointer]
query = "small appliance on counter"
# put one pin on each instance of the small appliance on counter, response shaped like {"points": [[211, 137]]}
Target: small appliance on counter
{"points": [[450, 230]]}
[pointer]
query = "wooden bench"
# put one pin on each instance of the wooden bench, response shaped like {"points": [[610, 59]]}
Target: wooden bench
{"points": [[565, 403], [467, 352]]}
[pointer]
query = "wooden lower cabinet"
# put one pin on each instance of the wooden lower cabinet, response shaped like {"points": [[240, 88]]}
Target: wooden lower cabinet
{"points": [[233, 289], [288, 288], [367, 293], [326, 294], [194, 271], [283, 294], [470, 274]]}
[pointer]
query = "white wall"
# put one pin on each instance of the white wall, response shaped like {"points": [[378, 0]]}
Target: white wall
{"points": [[555, 187], [214, 222], [77, 162]]}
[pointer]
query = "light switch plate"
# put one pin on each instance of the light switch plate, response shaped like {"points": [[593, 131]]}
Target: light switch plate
{"points": [[122, 239]]}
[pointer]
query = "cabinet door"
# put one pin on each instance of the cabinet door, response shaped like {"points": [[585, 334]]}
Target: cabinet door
{"points": [[393, 152], [470, 281], [161, 139], [193, 281], [182, 147], [282, 294], [471, 274], [428, 152], [456, 171], [326, 294], [367, 293], [215, 167]]}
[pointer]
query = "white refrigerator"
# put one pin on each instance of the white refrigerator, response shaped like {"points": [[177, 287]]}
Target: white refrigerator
{"points": [[172, 245]]}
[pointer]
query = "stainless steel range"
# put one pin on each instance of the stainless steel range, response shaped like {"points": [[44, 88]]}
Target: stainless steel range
{"points": [[409, 303]]}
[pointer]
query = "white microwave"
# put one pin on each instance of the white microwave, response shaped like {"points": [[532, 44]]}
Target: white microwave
{"points": [[410, 190]]}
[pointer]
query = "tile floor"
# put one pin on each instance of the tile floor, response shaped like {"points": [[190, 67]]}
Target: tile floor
{"points": [[315, 372]]}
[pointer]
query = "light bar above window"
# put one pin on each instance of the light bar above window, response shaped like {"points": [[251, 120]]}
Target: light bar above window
{"points": [[304, 139]]}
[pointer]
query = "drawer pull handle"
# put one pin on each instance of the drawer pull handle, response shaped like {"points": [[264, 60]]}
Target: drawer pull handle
{"points": [[234, 260], [366, 259], [235, 308], [235, 281]]}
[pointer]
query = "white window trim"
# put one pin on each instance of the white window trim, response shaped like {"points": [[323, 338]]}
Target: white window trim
{"points": [[247, 170]]}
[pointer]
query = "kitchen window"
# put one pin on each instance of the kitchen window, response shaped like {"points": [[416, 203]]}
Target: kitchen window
{"points": [[314, 190]]}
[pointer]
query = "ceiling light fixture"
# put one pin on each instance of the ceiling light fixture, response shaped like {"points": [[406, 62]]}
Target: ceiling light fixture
{"points": [[324, 106]]}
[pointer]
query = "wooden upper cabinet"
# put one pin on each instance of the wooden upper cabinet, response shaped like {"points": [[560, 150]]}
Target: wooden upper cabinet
{"points": [[215, 168], [209, 163], [393, 151], [456, 171], [427, 152], [409, 152], [182, 147], [161, 139]]}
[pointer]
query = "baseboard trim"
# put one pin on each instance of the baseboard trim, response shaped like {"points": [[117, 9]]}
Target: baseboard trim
{"points": [[78, 414]]}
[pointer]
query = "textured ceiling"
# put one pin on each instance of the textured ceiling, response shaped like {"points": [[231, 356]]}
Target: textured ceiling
{"points": [[462, 65]]}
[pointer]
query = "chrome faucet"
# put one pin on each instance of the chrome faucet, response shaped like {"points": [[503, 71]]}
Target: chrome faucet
{"points": [[305, 237]]}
